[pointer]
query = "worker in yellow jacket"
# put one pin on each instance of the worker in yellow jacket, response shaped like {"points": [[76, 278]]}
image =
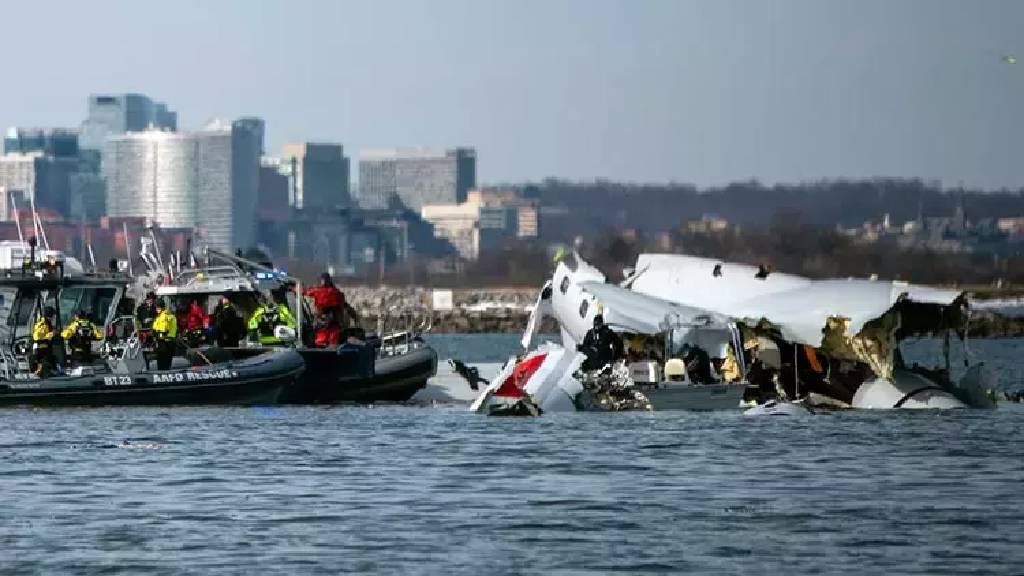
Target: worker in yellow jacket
{"points": [[80, 333], [270, 315], [165, 332], [43, 360]]}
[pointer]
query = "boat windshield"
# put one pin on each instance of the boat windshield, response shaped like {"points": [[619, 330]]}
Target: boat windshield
{"points": [[95, 301], [24, 302]]}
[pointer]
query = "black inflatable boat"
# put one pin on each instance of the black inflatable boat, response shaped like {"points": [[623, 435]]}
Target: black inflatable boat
{"points": [[240, 378], [355, 373]]}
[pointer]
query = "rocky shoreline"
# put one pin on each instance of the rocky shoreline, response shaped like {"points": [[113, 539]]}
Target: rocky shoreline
{"points": [[507, 310], [472, 311]]}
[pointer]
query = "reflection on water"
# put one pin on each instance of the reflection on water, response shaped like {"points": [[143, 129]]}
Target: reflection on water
{"points": [[441, 491]]}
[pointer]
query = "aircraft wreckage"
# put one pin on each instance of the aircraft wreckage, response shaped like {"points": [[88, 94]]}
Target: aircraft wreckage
{"points": [[704, 334]]}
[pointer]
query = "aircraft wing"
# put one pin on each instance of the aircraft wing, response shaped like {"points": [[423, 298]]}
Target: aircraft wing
{"points": [[630, 311], [799, 307]]}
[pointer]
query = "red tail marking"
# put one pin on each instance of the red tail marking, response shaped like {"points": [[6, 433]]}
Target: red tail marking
{"points": [[514, 383]]}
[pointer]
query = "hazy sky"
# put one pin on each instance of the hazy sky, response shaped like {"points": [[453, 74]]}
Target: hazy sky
{"points": [[705, 91]]}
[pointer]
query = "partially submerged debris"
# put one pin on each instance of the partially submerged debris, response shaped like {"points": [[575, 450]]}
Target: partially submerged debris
{"points": [[610, 389], [521, 407]]}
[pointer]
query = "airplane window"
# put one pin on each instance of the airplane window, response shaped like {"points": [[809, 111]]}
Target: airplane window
{"points": [[584, 306], [564, 286]]}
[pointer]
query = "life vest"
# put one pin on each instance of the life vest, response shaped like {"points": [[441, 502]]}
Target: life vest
{"points": [[269, 320], [165, 326], [328, 336], [81, 332], [42, 333], [266, 318], [192, 319]]}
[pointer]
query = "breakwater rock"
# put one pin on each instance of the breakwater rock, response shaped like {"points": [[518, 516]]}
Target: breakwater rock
{"points": [[507, 310], [494, 310]]}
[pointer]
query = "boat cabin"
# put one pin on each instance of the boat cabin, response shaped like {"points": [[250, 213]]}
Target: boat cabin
{"points": [[25, 294]]}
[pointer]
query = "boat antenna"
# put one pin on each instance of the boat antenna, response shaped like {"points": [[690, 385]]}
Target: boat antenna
{"points": [[17, 219], [39, 225], [92, 256], [156, 245], [32, 212], [127, 246]]}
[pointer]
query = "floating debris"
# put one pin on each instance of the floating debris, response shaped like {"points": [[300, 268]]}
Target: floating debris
{"points": [[610, 389]]}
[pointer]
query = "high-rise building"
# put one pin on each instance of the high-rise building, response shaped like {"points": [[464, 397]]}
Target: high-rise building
{"points": [[57, 142], [485, 220], [204, 180], [272, 196], [255, 126], [318, 175], [416, 176], [246, 149], [53, 155], [37, 178], [116, 114], [17, 177], [272, 210]]}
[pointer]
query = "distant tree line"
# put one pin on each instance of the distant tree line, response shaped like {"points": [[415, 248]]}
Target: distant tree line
{"points": [[791, 243], [790, 227], [581, 208]]}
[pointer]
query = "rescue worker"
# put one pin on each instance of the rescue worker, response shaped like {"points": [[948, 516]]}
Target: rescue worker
{"points": [[144, 315], [726, 364], [698, 364], [80, 333], [165, 334], [192, 321], [327, 331], [227, 325], [43, 334], [270, 315], [327, 297], [601, 345]]}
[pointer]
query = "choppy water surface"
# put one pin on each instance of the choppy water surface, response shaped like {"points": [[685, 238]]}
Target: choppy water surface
{"points": [[441, 491]]}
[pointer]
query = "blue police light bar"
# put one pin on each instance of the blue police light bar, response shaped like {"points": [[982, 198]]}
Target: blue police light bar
{"points": [[275, 275]]}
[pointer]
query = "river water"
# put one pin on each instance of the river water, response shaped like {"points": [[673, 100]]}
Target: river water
{"points": [[403, 490]]}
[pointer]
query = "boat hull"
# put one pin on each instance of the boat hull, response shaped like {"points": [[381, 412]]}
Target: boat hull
{"points": [[252, 381], [684, 396], [353, 375]]}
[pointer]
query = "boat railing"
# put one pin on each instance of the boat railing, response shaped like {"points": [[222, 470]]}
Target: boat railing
{"points": [[9, 369], [122, 338], [192, 276], [415, 321]]}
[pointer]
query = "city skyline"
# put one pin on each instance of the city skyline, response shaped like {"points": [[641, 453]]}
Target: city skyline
{"points": [[687, 91]]}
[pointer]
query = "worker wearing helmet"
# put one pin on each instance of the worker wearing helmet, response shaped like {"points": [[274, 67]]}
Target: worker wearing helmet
{"points": [[80, 333], [328, 298], [165, 332], [269, 316], [43, 333], [601, 345]]}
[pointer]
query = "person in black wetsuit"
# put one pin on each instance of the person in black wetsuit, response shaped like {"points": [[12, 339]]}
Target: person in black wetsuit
{"points": [[601, 345], [698, 364], [228, 326]]}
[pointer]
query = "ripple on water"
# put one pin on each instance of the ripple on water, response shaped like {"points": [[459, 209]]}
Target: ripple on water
{"points": [[426, 491]]}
